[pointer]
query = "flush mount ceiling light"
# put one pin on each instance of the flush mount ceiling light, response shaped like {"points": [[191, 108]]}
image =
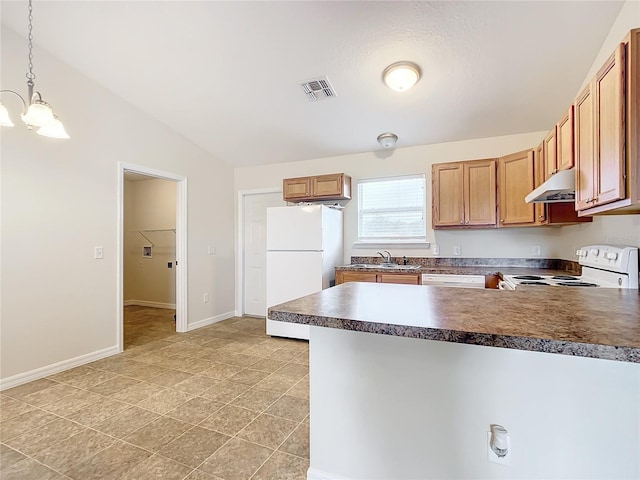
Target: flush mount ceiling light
{"points": [[37, 112], [387, 140], [401, 76]]}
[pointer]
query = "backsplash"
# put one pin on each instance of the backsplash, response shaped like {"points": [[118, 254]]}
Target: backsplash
{"points": [[547, 263]]}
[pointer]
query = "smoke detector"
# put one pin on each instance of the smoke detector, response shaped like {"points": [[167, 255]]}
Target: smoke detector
{"points": [[318, 89]]}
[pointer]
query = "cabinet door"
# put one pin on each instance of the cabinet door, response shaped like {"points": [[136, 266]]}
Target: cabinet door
{"points": [[327, 185], [399, 278], [515, 181], [296, 188], [549, 148], [609, 138], [344, 277], [584, 144], [447, 194], [540, 209], [480, 193], [564, 131]]}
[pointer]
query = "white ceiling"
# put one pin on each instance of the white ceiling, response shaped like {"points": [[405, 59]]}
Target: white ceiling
{"points": [[226, 74]]}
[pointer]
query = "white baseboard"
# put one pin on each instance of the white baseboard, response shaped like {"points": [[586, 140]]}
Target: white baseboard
{"points": [[42, 372], [210, 321], [313, 474], [145, 303]]}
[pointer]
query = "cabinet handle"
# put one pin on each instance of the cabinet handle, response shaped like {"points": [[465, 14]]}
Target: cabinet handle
{"points": [[461, 222], [502, 220], [541, 217], [467, 222]]}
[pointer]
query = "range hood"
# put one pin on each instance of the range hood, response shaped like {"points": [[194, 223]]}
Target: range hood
{"points": [[561, 187]]}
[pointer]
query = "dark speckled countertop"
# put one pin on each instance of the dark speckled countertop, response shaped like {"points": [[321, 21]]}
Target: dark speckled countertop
{"points": [[598, 323], [459, 270], [470, 266]]}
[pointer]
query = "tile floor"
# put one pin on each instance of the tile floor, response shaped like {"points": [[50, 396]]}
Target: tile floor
{"points": [[221, 402]]}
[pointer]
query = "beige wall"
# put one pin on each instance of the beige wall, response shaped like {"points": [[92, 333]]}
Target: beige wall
{"points": [[150, 205], [516, 242], [555, 242], [59, 200]]}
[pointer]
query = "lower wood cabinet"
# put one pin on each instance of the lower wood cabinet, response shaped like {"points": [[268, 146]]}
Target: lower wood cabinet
{"points": [[406, 279], [377, 277]]}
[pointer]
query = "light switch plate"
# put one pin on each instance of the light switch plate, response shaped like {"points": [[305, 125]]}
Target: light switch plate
{"points": [[436, 249], [457, 250], [98, 253]]}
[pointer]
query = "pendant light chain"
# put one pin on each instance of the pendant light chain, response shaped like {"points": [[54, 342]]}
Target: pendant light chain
{"points": [[36, 112], [30, 75]]}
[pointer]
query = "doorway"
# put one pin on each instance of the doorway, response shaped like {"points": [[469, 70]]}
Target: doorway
{"points": [[253, 248], [149, 257], [156, 243]]}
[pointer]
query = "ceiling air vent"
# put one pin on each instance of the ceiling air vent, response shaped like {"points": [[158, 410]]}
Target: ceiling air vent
{"points": [[318, 89]]}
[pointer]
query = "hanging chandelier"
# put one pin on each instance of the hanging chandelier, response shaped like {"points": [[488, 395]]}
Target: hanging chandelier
{"points": [[36, 112]]}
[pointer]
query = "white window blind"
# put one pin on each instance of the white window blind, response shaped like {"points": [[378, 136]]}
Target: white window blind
{"points": [[392, 209]]}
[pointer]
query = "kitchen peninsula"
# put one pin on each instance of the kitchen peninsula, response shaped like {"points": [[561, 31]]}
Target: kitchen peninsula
{"points": [[405, 381]]}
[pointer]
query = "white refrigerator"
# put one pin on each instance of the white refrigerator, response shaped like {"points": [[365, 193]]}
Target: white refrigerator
{"points": [[304, 245]]}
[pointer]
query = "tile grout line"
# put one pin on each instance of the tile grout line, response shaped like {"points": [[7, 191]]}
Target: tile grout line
{"points": [[245, 350]]}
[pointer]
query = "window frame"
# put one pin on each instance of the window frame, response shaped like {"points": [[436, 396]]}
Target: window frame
{"points": [[408, 241]]}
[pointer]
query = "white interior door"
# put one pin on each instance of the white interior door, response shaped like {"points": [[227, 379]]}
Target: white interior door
{"points": [[255, 249]]}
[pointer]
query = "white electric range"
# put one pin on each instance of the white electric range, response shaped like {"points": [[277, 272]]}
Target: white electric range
{"points": [[603, 266]]}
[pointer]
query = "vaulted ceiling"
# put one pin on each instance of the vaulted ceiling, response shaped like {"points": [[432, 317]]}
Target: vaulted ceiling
{"points": [[226, 74]]}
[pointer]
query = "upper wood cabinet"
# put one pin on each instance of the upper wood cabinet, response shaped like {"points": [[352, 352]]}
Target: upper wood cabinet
{"points": [[447, 189], [515, 181], [464, 194], [335, 186], [557, 146], [564, 141], [550, 153], [539, 171], [607, 135], [600, 136]]}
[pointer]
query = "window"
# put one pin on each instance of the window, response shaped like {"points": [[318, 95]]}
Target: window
{"points": [[392, 210]]}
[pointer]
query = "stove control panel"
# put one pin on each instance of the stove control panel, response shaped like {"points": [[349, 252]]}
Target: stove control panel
{"points": [[609, 257]]}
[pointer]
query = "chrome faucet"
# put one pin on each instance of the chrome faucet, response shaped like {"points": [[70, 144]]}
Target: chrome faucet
{"points": [[387, 257]]}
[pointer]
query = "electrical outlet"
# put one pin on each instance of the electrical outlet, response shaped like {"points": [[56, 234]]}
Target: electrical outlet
{"points": [[98, 253], [436, 249], [457, 250], [205, 298], [211, 250], [491, 455], [537, 251]]}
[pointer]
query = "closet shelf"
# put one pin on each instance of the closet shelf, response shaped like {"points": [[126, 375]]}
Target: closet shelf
{"points": [[151, 230]]}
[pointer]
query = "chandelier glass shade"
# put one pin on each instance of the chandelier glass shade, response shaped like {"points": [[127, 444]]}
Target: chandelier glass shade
{"points": [[36, 113]]}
